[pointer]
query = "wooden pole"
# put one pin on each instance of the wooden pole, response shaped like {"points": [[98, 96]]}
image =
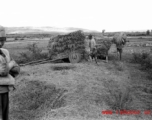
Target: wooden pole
{"points": [[38, 62]]}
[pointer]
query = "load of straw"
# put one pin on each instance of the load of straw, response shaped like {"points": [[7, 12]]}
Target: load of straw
{"points": [[120, 39], [66, 43]]}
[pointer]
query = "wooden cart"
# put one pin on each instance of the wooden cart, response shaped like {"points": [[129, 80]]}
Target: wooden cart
{"points": [[74, 56]]}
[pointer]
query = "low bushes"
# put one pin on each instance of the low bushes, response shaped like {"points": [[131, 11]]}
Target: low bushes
{"points": [[144, 59], [33, 53], [117, 99]]}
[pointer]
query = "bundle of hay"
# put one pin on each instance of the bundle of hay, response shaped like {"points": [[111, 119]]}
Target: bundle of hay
{"points": [[66, 43], [120, 40]]}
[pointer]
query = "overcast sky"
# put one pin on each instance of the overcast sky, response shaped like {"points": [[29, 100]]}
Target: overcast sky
{"points": [[111, 15]]}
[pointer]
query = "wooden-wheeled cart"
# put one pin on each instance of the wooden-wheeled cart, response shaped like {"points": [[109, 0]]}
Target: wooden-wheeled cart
{"points": [[73, 56]]}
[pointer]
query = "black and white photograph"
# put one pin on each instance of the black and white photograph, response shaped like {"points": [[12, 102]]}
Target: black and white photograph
{"points": [[75, 60]]}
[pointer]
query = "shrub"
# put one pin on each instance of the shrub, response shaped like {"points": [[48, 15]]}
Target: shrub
{"points": [[34, 48], [33, 53], [146, 63], [15, 38], [147, 32], [117, 99], [22, 39], [143, 59], [139, 57]]}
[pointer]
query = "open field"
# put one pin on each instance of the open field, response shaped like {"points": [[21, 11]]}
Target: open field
{"points": [[19, 46], [81, 91]]}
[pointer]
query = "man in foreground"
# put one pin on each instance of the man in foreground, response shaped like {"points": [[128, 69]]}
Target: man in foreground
{"points": [[7, 65]]}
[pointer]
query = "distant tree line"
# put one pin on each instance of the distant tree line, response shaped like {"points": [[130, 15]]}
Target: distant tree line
{"points": [[99, 34], [146, 33]]}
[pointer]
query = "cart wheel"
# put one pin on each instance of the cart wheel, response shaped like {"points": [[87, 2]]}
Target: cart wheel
{"points": [[74, 57]]}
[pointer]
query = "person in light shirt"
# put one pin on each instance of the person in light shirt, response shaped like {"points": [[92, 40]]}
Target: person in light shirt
{"points": [[92, 44], [4, 89], [87, 47]]}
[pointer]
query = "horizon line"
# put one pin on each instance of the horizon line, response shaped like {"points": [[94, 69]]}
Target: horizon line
{"points": [[144, 30]]}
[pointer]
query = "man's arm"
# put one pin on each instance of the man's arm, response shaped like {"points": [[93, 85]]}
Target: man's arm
{"points": [[8, 58], [13, 67]]}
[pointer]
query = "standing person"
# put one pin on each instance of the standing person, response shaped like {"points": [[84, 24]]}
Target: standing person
{"points": [[120, 40], [4, 89], [87, 47], [92, 43]]}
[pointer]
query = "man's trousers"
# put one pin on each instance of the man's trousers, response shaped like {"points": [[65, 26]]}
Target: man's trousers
{"points": [[4, 101]]}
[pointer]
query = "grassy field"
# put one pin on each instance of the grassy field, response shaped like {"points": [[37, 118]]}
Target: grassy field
{"points": [[19, 46], [76, 92]]}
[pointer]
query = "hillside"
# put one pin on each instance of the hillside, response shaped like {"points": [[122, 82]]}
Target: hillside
{"points": [[25, 30], [43, 32]]}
